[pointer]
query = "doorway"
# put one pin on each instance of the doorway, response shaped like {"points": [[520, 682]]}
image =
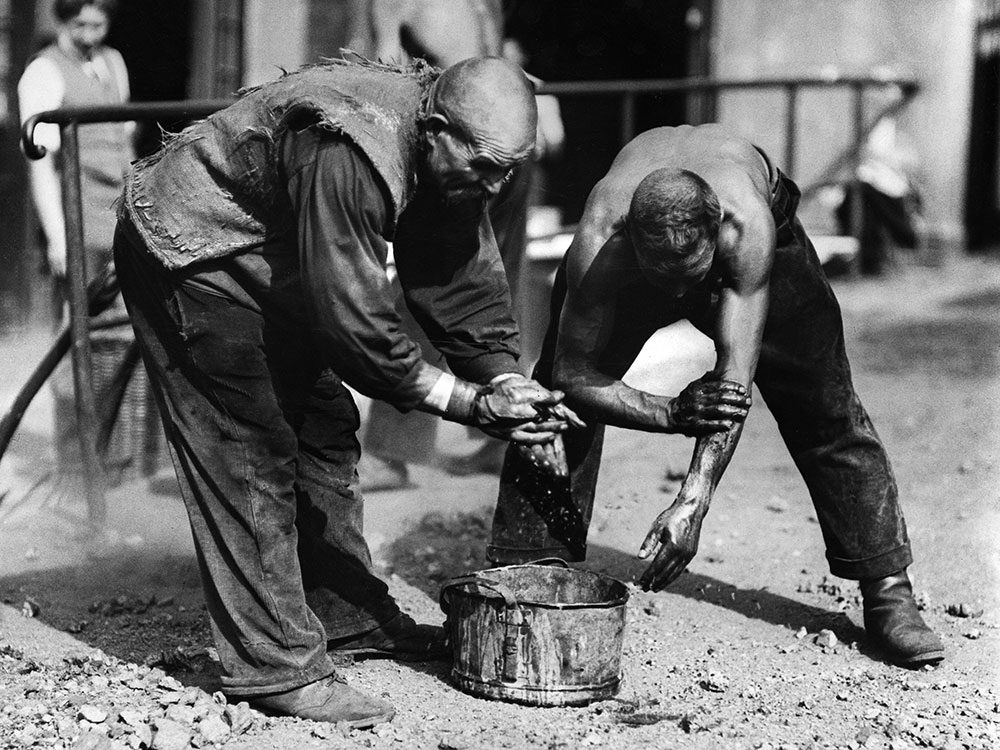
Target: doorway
{"points": [[982, 194], [598, 40]]}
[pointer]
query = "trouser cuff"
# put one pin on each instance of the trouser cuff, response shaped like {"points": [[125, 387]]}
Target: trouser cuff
{"points": [[248, 688], [878, 566], [521, 555], [355, 625]]}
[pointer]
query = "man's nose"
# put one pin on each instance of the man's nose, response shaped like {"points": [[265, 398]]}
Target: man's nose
{"points": [[492, 185]]}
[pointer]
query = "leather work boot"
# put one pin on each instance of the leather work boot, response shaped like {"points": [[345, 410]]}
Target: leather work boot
{"points": [[401, 638], [893, 622], [329, 699]]}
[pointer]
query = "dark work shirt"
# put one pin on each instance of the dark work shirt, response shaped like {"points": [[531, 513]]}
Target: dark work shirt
{"points": [[326, 270]]}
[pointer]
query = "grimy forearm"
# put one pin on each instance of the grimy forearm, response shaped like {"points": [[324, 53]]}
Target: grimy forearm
{"points": [[709, 461], [604, 399]]}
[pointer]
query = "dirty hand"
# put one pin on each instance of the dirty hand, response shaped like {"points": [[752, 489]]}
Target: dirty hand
{"points": [[673, 539], [522, 410], [550, 457], [708, 405]]}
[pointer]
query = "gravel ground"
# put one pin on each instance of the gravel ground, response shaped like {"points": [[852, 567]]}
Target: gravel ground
{"points": [[105, 643]]}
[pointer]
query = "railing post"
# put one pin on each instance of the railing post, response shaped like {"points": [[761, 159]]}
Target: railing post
{"points": [[791, 125], [857, 216], [83, 381], [628, 117]]}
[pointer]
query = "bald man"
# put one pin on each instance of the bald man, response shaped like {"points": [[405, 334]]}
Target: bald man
{"points": [[694, 222], [442, 32], [251, 252]]}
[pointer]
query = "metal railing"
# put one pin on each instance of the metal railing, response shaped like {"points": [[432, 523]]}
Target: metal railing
{"points": [[69, 120], [861, 124]]}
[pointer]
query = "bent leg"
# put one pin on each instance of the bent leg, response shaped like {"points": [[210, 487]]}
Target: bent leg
{"points": [[340, 585], [805, 378], [234, 455]]}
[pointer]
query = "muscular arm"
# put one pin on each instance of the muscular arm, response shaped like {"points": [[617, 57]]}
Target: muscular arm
{"points": [[597, 268], [600, 266], [746, 245], [738, 332]]}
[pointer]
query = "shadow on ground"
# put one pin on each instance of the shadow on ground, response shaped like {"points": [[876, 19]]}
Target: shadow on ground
{"points": [[147, 607], [440, 547]]}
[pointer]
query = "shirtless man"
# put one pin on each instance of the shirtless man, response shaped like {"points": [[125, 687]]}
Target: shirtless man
{"points": [[694, 222]]}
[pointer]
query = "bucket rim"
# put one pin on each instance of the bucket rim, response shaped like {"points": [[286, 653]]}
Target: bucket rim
{"points": [[610, 603]]}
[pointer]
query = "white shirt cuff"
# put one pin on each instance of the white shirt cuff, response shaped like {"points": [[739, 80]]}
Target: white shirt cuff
{"points": [[440, 393]]}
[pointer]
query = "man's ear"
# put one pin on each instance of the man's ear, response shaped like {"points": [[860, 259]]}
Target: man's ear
{"points": [[436, 123]]}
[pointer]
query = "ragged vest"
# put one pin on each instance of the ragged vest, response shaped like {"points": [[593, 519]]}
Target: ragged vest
{"points": [[213, 189]]}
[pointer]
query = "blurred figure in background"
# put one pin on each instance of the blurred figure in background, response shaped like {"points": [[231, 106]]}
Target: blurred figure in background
{"points": [[445, 32], [75, 70], [890, 202]]}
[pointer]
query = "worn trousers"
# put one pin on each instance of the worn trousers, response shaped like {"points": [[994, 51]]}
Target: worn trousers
{"points": [[805, 379], [262, 437]]}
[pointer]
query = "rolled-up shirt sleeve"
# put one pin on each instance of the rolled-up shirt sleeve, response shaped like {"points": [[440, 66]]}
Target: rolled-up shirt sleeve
{"points": [[454, 284], [342, 214]]}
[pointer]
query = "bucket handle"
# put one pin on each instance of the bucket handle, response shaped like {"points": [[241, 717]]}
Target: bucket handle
{"points": [[513, 619]]}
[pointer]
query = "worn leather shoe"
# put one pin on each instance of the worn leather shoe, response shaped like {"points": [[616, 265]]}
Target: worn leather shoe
{"points": [[893, 622], [330, 699], [401, 638]]}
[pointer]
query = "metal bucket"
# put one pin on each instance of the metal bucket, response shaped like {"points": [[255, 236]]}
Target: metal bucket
{"points": [[536, 634]]}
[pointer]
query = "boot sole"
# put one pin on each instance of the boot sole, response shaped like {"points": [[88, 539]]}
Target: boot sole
{"points": [[931, 657], [369, 652], [370, 722], [366, 723]]}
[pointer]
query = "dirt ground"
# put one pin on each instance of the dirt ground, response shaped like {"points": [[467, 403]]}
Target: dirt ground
{"points": [[755, 647]]}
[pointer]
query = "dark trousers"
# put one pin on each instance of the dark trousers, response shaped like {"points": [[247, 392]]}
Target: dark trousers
{"points": [[262, 438], [805, 379]]}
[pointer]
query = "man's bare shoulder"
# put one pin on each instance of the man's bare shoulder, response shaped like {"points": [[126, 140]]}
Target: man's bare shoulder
{"points": [[600, 256]]}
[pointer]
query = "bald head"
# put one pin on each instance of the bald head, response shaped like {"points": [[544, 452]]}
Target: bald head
{"points": [[489, 101]]}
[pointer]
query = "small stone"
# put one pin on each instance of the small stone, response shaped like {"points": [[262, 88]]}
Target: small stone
{"points": [[93, 741], [962, 609], [132, 716], [974, 634], [213, 729], [30, 608], [239, 716], [169, 683], [142, 737], [170, 735], [801, 633], [182, 714], [825, 638], [170, 698], [714, 682], [93, 714], [454, 742]]}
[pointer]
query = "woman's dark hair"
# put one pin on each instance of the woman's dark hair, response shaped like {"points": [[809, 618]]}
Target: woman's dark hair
{"points": [[66, 10]]}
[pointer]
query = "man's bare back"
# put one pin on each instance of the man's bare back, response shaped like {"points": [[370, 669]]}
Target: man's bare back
{"points": [[731, 165]]}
